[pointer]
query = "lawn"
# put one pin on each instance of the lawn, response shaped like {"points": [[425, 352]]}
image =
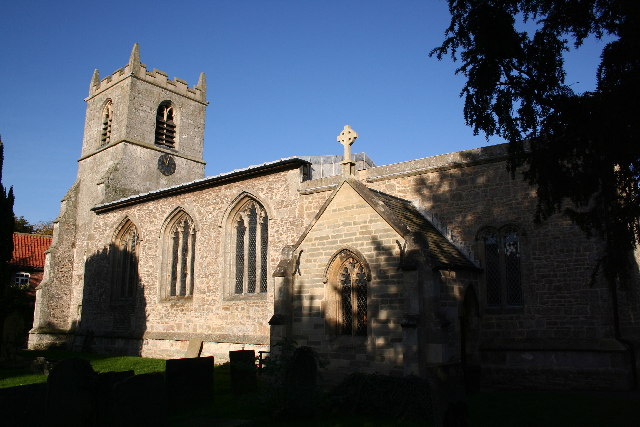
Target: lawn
{"points": [[486, 408], [553, 408], [11, 377]]}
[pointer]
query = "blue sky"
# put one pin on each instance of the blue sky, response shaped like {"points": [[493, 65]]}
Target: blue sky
{"points": [[283, 78]]}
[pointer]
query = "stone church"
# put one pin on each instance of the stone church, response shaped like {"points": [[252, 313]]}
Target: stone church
{"points": [[393, 269]]}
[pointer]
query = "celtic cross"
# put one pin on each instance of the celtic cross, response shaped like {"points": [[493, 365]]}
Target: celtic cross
{"points": [[347, 137]]}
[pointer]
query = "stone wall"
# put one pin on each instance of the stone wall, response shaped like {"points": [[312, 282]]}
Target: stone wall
{"points": [[211, 313], [563, 316], [349, 222], [556, 260]]}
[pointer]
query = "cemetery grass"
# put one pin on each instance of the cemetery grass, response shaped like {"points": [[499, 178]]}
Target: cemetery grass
{"points": [[16, 376], [490, 408], [554, 408], [260, 409]]}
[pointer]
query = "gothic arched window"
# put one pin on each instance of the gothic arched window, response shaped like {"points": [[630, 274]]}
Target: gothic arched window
{"points": [[249, 248], [165, 125], [179, 256], [502, 275], [348, 279], [124, 253], [107, 118]]}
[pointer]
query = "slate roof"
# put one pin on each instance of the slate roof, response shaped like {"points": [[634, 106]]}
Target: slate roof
{"points": [[405, 218], [211, 181], [443, 253], [29, 249]]}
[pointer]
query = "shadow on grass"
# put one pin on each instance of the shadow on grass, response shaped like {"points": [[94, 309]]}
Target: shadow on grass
{"points": [[487, 408], [539, 408], [20, 373]]}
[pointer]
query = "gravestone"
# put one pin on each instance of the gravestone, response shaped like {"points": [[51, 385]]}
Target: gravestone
{"points": [[106, 394], [243, 371], [71, 389], [194, 349], [190, 380], [300, 383], [140, 400]]}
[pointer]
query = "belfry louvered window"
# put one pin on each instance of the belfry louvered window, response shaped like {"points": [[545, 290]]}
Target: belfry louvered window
{"points": [[107, 118], [125, 261], [180, 242], [353, 298], [502, 267], [250, 245], [165, 125]]}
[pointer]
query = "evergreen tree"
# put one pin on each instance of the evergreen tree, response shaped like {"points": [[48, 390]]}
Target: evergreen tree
{"points": [[6, 225], [6, 239], [581, 151]]}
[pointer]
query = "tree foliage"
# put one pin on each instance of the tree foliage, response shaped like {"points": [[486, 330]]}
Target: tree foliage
{"points": [[6, 232], [22, 225], [581, 151]]}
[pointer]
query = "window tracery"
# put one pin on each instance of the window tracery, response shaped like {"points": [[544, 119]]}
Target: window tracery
{"points": [[179, 256], [502, 267], [250, 236], [125, 261], [348, 279], [353, 284]]}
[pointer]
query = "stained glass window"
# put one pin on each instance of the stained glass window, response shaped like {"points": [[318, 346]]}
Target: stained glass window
{"points": [[125, 261], [181, 256], [512, 268], [492, 269], [353, 298], [502, 267], [250, 261]]}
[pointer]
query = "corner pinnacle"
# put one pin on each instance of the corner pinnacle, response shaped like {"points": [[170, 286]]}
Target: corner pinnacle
{"points": [[95, 80], [134, 58], [202, 83]]}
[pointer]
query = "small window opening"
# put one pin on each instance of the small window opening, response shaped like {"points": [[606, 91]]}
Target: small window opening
{"points": [[107, 118], [165, 125]]}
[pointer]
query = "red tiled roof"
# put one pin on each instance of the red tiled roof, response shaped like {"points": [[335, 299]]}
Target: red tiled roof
{"points": [[28, 249]]}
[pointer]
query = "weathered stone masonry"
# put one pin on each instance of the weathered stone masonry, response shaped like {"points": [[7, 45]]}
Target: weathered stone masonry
{"points": [[399, 251]]}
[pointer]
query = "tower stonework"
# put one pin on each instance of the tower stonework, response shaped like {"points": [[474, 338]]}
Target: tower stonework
{"points": [[128, 163], [143, 132]]}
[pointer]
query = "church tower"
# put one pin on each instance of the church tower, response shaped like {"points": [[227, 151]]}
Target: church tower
{"points": [[143, 132]]}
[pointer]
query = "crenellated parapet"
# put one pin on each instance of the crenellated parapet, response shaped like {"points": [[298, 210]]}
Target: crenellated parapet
{"points": [[137, 69]]}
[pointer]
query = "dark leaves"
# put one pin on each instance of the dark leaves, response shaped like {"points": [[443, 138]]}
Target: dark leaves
{"points": [[583, 150]]}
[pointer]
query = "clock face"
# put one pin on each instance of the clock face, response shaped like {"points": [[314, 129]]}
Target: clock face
{"points": [[166, 164]]}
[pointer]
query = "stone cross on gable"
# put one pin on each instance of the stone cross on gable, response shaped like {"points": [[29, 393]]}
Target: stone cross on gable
{"points": [[347, 137]]}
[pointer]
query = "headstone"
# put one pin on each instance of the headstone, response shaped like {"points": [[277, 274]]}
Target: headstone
{"points": [[12, 335], [190, 380], [300, 383], [40, 365], [87, 342], [71, 393], [243, 371], [106, 394], [140, 400], [194, 349]]}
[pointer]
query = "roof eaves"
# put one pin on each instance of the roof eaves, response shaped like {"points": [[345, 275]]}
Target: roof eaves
{"points": [[212, 181]]}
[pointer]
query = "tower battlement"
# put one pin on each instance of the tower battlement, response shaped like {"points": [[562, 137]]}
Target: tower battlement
{"points": [[137, 69]]}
